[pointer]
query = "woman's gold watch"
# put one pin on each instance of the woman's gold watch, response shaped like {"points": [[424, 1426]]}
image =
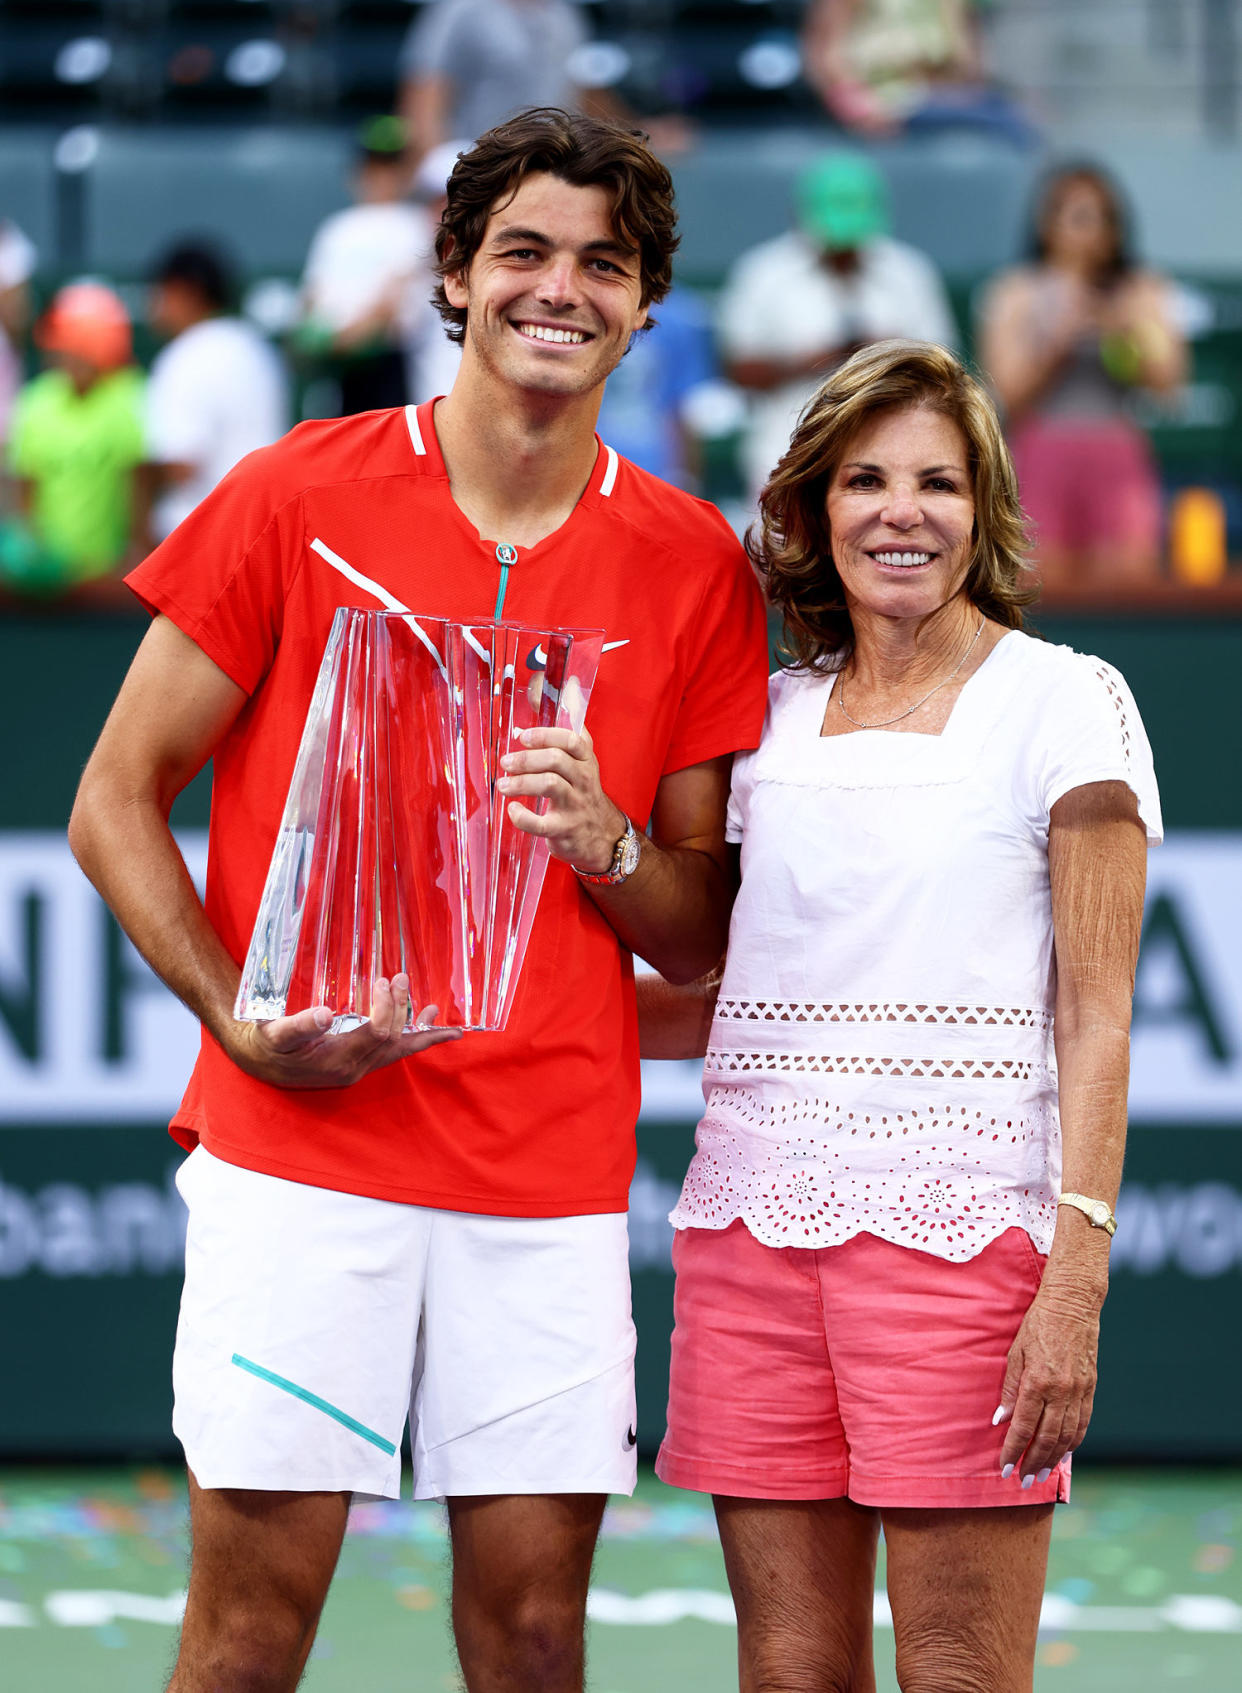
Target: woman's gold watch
{"points": [[1097, 1213]]}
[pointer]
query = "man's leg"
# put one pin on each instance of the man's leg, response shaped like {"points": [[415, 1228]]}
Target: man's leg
{"points": [[521, 1568], [259, 1575]]}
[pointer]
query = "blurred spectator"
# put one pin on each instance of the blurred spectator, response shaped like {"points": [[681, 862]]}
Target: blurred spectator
{"points": [[795, 307], [431, 358], [1067, 339], [17, 263], [650, 397], [363, 272], [75, 444], [466, 65], [883, 66], [216, 391]]}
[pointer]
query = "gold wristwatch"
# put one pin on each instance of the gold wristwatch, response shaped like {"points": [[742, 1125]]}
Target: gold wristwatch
{"points": [[1097, 1213], [624, 861]]}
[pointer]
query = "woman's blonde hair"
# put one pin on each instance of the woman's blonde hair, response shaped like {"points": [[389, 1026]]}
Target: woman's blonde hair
{"points": [[791, 544]]}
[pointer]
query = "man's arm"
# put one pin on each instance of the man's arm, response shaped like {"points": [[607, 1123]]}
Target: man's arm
{"points": [[174, 708], [763, 374], [674, 910]]}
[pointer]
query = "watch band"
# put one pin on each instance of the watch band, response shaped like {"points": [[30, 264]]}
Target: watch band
{"points": [[624, 861], [1096, 1211]]}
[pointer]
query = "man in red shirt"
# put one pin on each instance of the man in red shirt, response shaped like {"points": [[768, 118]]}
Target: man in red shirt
{"points": [[373, 1239]]}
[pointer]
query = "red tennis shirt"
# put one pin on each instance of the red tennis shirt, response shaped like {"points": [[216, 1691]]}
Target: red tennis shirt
{"points": [[539, 1120]]}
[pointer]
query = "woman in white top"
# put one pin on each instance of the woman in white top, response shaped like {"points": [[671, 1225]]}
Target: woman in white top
{"points": [[892, 1243]]}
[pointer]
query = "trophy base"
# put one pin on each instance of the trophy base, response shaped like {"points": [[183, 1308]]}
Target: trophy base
{"points": [[352, 1020]]}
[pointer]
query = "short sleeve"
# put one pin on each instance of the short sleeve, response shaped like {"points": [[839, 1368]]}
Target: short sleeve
{"points": [[723, 699], [1090, 731], [744, 311], [223, 575], [178, 425], [733, 816]]}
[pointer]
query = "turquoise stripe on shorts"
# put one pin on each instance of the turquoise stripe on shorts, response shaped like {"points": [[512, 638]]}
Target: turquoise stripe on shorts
{"points": [[309, 1398]]}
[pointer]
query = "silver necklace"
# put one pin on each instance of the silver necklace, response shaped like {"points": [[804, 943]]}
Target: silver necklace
{"points": [[884, 722]]}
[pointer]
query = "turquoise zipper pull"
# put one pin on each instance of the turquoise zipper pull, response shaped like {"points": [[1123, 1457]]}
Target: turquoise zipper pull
{"points": [[505, 556]]}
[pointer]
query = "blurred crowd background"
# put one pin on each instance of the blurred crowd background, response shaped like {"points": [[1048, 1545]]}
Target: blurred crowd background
{"points": [[216, 219]]}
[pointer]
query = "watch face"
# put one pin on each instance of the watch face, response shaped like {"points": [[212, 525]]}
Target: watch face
{"points": [[1099, 1214]]}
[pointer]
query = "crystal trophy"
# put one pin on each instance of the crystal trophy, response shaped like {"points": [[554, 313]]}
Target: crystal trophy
{"points": [[395, 851]]}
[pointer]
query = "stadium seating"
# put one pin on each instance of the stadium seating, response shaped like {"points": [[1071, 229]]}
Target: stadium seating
{"points": [[202, 59], [261, 191]]}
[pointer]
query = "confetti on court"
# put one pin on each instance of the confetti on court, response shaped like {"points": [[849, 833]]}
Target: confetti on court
{"points": [[1144, 1589]]}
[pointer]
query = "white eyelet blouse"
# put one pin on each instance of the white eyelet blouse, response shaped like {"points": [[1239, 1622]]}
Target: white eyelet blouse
{"points": [[881, 1058]]}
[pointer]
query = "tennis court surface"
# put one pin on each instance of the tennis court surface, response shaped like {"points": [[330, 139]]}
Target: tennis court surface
{"points": [[1144, 1591]]}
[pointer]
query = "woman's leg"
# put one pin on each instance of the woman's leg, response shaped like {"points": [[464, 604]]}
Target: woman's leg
{"points": [[802, 1573], [965, 1588]]}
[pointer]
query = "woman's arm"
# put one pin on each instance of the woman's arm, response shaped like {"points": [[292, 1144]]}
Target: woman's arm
{"points": [[1097, 860], [1018, 363], [675, 1022]]}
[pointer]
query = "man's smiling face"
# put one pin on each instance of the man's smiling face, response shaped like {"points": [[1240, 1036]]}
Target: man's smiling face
{"points": [[553, 293]]}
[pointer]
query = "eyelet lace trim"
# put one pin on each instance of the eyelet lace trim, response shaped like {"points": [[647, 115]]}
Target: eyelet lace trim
{"points": [[814, 1175], [724, 1061], [1111, 681], [880, 1011]]}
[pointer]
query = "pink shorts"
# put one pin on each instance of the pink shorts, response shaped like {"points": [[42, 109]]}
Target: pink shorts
{"points": [[1088, 485], [864, 1371]]}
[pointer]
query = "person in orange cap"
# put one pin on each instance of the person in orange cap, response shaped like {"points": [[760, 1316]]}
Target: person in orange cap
{"points": [[75, 446]]}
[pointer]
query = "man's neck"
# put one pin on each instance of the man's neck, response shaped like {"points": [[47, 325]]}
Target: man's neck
{"points": [[517, 463]]}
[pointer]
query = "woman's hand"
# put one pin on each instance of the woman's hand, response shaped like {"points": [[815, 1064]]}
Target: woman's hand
{"points": [[1049, 1382]]}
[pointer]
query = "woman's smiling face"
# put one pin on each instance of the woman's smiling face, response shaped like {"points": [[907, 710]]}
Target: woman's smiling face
{"points": [[901, 513]]}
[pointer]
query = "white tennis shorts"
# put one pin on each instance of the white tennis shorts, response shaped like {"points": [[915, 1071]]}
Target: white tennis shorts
{"points": [[314, 1323]]}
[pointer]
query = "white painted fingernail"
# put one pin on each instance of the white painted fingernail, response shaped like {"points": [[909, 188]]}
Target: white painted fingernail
{"points": [[1042, 1475], [1006, 1472], [999, 1415], [1027, 1481]]}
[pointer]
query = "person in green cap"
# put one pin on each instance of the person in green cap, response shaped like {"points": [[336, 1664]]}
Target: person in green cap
{"points": [[366, 273], [796, 307]]}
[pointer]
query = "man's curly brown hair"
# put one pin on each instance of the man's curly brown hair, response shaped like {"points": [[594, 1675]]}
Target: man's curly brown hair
{"points": [[586, 152], [791, 544]]}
